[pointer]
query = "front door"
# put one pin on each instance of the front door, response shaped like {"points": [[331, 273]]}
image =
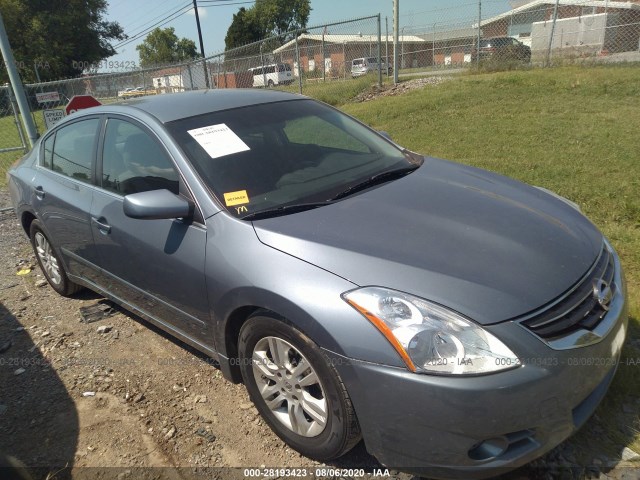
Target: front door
{"points": [[156, 266]]}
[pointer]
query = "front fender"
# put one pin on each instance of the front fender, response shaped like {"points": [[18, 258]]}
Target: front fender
{"points": [[244, 275]]}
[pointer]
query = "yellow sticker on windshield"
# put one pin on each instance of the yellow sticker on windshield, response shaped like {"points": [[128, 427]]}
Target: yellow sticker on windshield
{"points": [[236, 198]]}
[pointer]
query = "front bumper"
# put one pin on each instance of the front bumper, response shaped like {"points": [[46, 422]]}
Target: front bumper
{"points": [[481, 426]]}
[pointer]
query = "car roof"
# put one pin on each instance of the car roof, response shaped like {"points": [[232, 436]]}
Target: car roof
{"points": [[175, 106]]}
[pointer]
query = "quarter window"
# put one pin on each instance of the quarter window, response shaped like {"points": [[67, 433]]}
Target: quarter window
{"points": [[133, 161], [47, 153]]}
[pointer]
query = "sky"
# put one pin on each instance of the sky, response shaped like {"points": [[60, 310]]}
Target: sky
{"points": [[136, 16]]}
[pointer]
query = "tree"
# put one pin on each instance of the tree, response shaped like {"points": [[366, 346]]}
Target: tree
{"points": [[162, 47], [58, 38], [244, 29], [267, 18], [280, 16]]}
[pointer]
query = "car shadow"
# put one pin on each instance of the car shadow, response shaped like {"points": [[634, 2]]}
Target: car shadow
{"points": [[39, 425]]}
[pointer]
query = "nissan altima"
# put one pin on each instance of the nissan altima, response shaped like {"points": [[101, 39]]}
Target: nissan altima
{"points": [[461, 323]]}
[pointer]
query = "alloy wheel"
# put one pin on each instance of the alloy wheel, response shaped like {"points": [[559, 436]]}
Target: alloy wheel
{"points": [[290, 386], [48, 258]]}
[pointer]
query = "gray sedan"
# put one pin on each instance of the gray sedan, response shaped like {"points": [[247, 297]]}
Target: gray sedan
{"points": [[460, 322]]}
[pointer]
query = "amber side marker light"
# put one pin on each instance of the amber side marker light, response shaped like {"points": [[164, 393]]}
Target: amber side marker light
{"points": [[386, 331]]}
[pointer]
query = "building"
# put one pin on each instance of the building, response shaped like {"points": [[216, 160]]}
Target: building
{"points": [[582, 27], [337, 51], [179, 79]]}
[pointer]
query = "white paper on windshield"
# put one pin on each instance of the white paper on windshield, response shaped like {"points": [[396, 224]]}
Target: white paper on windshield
{"points": [[218, 140]]}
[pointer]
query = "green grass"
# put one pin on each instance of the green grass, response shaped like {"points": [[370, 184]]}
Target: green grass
{"points": [[9, 137], [573, 130]]}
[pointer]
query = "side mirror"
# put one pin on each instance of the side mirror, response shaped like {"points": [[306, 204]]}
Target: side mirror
{"points": [[156, 204], [385, 135]]}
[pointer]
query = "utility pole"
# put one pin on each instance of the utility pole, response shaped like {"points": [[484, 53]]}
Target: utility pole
{"points": [[16, 84], [204, 61], [396, 26]]}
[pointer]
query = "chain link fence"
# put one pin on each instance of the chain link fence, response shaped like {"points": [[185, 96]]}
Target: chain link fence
{"points": [[534, 32], [13, 143]]}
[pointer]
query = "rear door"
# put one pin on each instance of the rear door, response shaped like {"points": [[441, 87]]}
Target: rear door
{"points": [[156, 266], [63, 191]]}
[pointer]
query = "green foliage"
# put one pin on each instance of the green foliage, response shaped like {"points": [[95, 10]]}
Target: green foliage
{"points": [[244, 29], [162, 47], [267, 18], [60, 38], [281, 16]]}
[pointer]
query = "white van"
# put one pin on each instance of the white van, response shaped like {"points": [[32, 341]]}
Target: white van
{"points": [[362, 66], [270, 75]]}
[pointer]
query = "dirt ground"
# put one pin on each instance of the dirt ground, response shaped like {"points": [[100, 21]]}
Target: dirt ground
{"points": [[76, 403]]}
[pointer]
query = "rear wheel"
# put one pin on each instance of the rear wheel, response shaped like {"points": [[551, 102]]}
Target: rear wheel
{"points": [[296, 390], [270, 83], [49, 262]]}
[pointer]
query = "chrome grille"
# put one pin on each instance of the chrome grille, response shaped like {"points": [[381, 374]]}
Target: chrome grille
{"points": [[579, 309]]}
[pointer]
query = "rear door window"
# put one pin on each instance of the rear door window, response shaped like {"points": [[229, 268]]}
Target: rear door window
{"points": [[71, 150]]}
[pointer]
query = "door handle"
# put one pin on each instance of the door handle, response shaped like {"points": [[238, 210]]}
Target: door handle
{"points": [[104, 228], [39, 191]]}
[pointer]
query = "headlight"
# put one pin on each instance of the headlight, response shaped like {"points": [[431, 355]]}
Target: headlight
{"points": [[431, 338]]}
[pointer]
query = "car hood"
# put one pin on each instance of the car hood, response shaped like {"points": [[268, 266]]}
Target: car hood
{"points": [[484, 245]]}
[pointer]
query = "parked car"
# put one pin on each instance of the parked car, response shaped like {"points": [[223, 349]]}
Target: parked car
{"points": [[447, 315], [502, 49], [271, 75], [362, 66], [126, 92]]}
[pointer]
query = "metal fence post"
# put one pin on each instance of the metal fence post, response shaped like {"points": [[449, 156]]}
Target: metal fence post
{"points": [[344, 59], [386, 43], [299, 65], [324, 61], [553, 28], [16, 84], [479, 32], [264, 74], [379, 53], [396, 26]]}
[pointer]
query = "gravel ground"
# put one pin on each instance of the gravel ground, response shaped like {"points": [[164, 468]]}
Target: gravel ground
{"points": [[400, 88], [76, 403]]}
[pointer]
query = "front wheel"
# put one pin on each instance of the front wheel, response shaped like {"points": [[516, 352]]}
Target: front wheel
{"points": [[49, 262], [296, 390]]}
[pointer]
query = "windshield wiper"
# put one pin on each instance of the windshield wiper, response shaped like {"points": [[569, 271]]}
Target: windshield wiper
{"points": [[284, 209], [376, 179]]}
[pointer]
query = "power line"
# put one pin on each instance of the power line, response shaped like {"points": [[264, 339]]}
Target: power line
{"points": [[220, 4], [169, 18], [136, 21], [165, 15]]}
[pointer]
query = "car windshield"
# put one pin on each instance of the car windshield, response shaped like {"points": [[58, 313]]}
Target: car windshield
{"points": [[283, 154], [496, 42]]}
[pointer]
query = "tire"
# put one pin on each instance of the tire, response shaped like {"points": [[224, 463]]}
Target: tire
{"points": [[49, 261], [270, 83], [317, 418]]}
